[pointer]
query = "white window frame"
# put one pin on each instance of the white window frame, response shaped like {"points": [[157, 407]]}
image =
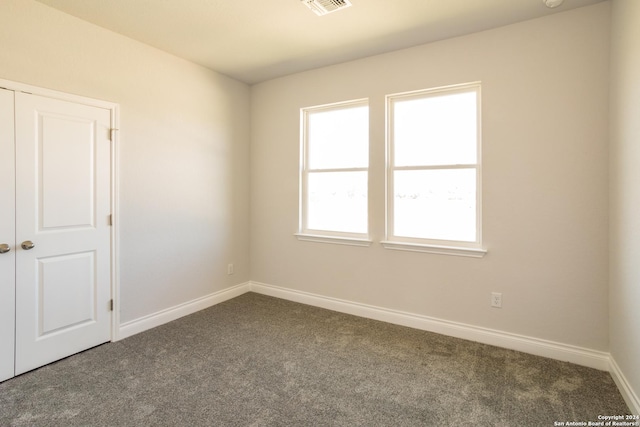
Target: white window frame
{"points": [[325, 236], [446, 247]]}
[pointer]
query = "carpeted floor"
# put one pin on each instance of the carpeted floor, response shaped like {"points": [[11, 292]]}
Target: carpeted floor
{"points": [[262, 361]]}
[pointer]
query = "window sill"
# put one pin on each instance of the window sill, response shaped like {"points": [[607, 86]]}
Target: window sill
{"points": [[350, 241], [435, 249]]}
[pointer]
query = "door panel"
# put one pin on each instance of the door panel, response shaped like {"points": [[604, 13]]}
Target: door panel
{"points": [[67, 291], [68, 182], [62, 206], [7, 236]]}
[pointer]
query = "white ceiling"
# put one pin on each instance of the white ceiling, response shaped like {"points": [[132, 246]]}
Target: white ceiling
{"points": [[256, 40]]}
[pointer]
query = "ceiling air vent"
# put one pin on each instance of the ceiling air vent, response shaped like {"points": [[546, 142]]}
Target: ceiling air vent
{"points": [[322, 7]]}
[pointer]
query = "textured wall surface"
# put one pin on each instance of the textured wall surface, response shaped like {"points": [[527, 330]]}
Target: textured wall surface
{"points": [[184, 151], [545, 216], [624, 297]]}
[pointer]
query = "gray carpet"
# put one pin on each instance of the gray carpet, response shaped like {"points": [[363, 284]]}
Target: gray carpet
{"points": [[261, 361]]}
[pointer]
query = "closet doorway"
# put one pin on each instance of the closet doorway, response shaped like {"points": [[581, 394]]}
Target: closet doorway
{"points": [[56, 234]]}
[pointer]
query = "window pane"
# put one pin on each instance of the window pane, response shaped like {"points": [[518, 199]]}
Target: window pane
{"points": [[435, 130], [435, 204], [337, 201], [338, 138]]}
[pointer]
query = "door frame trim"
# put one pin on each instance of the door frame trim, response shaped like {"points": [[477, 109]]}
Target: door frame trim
{"points": [[114, 108]]}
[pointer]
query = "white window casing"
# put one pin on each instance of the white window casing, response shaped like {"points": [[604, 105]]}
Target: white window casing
{"points": [[334, 173], [434, 171]]}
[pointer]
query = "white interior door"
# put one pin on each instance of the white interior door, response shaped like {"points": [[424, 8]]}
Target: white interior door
{"points": [[63, 255], [7, 236]]}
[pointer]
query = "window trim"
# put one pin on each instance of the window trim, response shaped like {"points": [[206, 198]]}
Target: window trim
{"points": [[449, 247], [318, 238], [326, 236]]}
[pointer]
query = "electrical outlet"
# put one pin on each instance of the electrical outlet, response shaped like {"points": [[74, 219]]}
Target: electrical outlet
{"points": [[230, 269], [496, 299]]}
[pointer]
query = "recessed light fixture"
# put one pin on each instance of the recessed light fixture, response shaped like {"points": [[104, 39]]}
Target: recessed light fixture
{"points": [[322, 7], [552, 3]]}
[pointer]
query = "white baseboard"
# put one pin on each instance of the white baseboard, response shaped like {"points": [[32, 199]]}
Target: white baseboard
{"points": [[630, 397], [161, 317], [553, 350]]}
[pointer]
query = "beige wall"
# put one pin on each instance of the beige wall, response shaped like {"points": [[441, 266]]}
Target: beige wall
{"points": [[184, 181], [545, 115], [184, 151], [624, 303]]}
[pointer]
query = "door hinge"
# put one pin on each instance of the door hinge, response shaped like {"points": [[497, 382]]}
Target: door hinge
{"points": [[112, 134], [110, 220], [111, 305]]}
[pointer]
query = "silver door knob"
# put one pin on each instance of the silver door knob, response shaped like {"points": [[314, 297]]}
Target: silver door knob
{"points": [[27, 244], [4, 248]]}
